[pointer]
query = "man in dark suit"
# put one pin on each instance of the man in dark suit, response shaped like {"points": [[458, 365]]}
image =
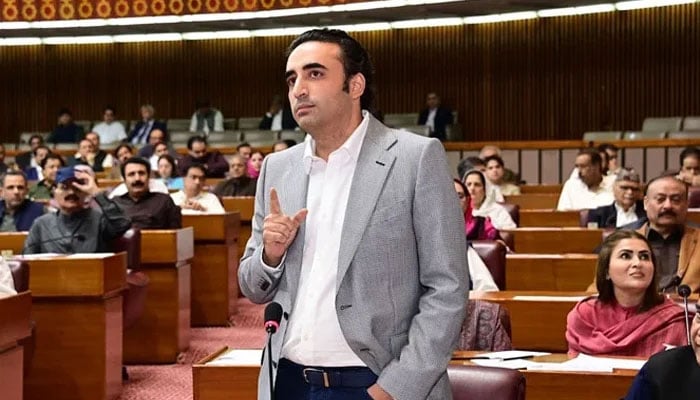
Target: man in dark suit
{"points": [[142, 130], [436, 117], [24, 160], [17, 213], [627, 207], [279, 117]]}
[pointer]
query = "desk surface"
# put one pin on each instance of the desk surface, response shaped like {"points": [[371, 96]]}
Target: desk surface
{"points": [[216, 227]]}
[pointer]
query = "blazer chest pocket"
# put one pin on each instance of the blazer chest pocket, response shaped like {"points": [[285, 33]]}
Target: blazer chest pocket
{"points": [[388, 212], [397, 343]]}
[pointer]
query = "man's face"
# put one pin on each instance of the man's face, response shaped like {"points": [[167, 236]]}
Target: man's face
{"points": [[626, 192], [612, 159], [590, 174], [136, 179], [432, 100], [199, 150], [94, 139], [245, 152], [68, 198], [237, 167], [108, 116], [690, 168], [50, 169], [316, 80], [156, 136], [85, 148], [666, 202], [41, 153], [494, 171], [123, 154], [64, 119], [194, 181], [146, 113], [14, 191]]}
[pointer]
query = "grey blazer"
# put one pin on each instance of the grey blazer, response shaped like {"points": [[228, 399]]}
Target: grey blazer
{"points": [[402, 280]]}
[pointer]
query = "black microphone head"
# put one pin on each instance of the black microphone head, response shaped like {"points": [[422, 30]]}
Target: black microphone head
{"points": [[684, 291], [273, 316]]}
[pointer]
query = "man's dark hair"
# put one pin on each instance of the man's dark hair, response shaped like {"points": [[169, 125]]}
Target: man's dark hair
{"points": [[467, 164], [196, 139], [689, 152], [244, 144], [607, 146], [12, 172], [494, 157], [52, 156], [41, 139], [121, 146], [197, 166], [354, 57], [136, 160], [594, 154], [110, 108], [41, 146]]}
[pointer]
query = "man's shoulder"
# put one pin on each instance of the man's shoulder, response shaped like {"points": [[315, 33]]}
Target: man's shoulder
{"points": [[668, 358]]}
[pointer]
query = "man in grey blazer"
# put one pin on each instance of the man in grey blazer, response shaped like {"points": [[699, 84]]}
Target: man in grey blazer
{"points": [[358, 235]]}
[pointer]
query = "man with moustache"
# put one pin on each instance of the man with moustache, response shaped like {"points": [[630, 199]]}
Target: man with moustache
{"points": [[589, 189], [627, 207], [359, 236], [673, 374], [17, 213], [238, 184], [75, 227], [674, 240], [147, 209]]}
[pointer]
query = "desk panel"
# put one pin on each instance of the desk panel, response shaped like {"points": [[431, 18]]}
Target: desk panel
{"points": [[549, 218], [555, 272], [555, 240]]}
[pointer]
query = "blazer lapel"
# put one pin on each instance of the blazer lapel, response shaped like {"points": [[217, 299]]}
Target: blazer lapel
{"points": [[372, 170]]}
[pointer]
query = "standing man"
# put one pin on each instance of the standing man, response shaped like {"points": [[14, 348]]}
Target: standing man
{"points": [[206, 118], [213, 162], [375, 301]]}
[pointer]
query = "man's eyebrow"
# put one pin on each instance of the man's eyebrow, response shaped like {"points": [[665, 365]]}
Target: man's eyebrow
{"points": [[305, 67]]}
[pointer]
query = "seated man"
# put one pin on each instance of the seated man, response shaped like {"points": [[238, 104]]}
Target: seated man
{"points": [[87, 156], [26, 159], [102, 158], [690, 166], [109, 130], [495, 173], [17, 213], [627, 207], [155, 138], [278, 117], [206, 119], [610, 151], [193, 198], [245, 150], [436, 117], [49, 168], [213, 162], [75, 227], [673, 239], [147, 209], [140, 134], [33, 172], [491, 150], [589, 190], [238, 184], [66, 131]]}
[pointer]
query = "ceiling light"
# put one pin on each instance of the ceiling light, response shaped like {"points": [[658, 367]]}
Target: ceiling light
{"points": [[152, 37], [594, 9], [25, 41], [635, 5], [426, 23], [77, 39]]}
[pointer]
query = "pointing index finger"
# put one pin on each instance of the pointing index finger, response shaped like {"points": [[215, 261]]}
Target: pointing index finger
{"points": [[274, 202]]}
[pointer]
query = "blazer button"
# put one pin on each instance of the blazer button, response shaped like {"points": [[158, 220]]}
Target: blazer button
{"points": [[345, 307]]}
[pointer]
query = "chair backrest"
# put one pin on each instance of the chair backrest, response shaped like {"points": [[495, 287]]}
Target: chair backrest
{"points": [[470, 382], [644, 135], [20, 274], [684, 135], [249, 122], [486, 327], [258, 138], [86, 124], [297, 136], [400, 120], [602, 136], [691, 123], [493, 253], [178, 124], [225, 136], [662, 124], [583, 218], [694, 197], [130, 242], [230, 124], [514, 211], [178, 137]]}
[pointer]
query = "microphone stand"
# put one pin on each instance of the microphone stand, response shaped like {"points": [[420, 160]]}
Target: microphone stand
{"points": [[685, 311], [270, 332]]}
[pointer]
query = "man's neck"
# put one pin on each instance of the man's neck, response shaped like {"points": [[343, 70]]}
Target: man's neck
{"points": [[137, 198], [191, 194], [335, 136], [665, 230], [595, 185], [623, 207]]}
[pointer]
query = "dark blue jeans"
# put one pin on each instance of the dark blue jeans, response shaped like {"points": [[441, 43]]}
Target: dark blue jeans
{"points": [[291, 383]]}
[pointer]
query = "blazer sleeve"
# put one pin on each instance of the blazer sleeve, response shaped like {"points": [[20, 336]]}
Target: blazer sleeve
{"points": [[444, 275], [114, 222]]}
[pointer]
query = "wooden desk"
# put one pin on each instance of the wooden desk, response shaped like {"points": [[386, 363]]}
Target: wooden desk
{"points": [[214, 267], [555, 240], [246, 207], [538, 324], [14, 326], [77, 308], [694, 215], [212, 382], [534, 201], [163, 331], [529, 189], [12, 241], [555, 272], [549, 385], [549, 218], [108, 183]]}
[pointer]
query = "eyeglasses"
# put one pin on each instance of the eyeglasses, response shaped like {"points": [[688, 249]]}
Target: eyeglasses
{"points": [[626, 188]]}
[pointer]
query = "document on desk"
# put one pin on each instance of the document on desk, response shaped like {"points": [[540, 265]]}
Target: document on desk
{"points": [[239, 357], [509, 364], [90, 255], [572, 299], [586, 363], [510, 354]]}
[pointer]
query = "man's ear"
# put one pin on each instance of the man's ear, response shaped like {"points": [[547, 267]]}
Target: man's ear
{"points": [[357, 85]]}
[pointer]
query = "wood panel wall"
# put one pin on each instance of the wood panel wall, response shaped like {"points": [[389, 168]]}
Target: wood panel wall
{"points": [[550, 78]]}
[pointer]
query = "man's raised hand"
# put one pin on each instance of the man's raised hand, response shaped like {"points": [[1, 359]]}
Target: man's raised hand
{"points": [[279, 230]]}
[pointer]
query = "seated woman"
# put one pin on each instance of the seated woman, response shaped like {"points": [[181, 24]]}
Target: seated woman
{"points": [[476, 228], [167, 172], [628, 317], [255, 163], [483, 205]]}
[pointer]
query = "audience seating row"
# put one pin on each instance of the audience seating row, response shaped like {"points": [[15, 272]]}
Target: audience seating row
{"points": [[653, 128]]}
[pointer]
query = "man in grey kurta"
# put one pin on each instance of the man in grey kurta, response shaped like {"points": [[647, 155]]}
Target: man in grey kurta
{"points": [[76, 227]]}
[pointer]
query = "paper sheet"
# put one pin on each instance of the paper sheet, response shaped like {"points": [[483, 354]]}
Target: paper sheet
{"points": [[510, 364], [239, 357], [89, 255], [511, 354]]}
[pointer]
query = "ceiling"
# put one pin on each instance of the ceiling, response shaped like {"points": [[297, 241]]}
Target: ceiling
{"points": [[463, 8]]}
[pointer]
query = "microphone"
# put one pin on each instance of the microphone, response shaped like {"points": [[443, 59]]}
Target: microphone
{"points": [[273, 316], [684, 292], [78, 237]]}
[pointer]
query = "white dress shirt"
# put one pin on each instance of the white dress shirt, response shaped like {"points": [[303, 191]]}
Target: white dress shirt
{"points": [[110, 133], [7, 283], [276, 121], [576, 195], [430, 121], [314, 336], [208, 200], [218, 123], [479, 273], [625, 217]]}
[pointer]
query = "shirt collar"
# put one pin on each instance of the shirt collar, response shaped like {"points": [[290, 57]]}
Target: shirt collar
{"points": [[619, 208], [351, 146]]}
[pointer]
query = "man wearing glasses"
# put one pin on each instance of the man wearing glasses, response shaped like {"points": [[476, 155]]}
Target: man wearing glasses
{"points": [[627, 207]]}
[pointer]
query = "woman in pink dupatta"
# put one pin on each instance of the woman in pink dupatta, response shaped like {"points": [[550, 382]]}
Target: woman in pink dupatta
{"points": [[476, 228], [629, 317]]}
